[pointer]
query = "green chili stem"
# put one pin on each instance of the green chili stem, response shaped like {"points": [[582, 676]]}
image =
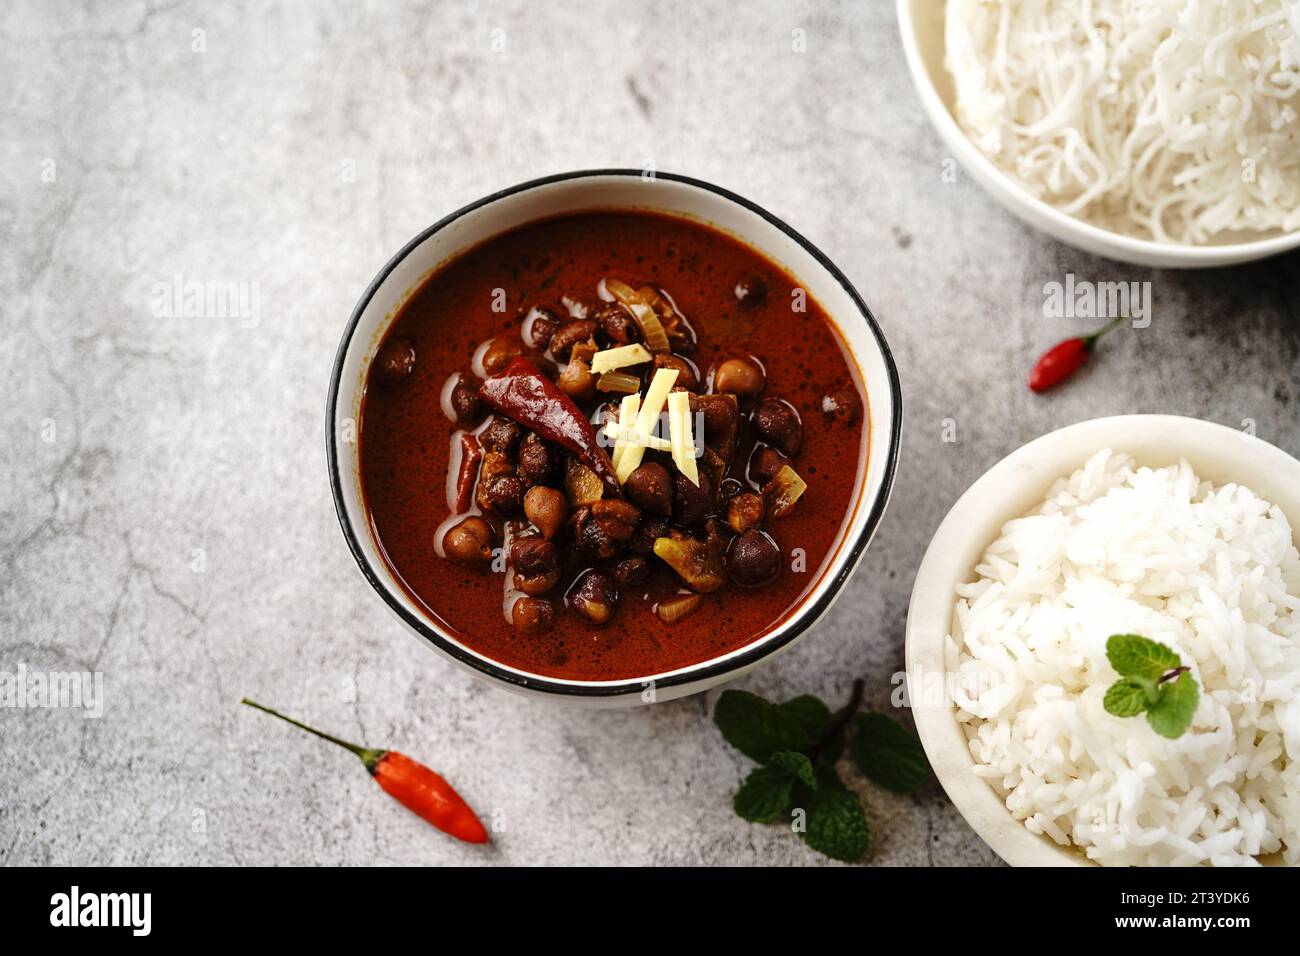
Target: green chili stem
{"points": [[1091, 340], [369, 756]]}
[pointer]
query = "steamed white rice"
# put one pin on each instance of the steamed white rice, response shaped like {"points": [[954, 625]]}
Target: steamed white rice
{"points": [[1212, 572]]}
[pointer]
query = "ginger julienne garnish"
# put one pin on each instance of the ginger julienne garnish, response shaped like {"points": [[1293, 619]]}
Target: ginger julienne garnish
{"points": [[681, 442], [609, 360], [652, 406], [622, 433]]}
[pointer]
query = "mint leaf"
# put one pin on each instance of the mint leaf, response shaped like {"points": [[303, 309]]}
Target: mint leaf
{"points": [[1125, 698], [830, 749], [797, 765], [1154, 680], [1175, 705], [810, 711], [888, 753], [836, 825], [1135, 656], [764, 796], [756, 727]]}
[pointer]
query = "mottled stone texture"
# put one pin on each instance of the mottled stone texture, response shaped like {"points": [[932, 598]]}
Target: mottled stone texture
{"points": [[164, 511]]}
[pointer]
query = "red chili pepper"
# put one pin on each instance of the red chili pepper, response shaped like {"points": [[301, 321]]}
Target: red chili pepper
{"points": [[412, 784], [1065, 358], [471, 452], [530, 398]]}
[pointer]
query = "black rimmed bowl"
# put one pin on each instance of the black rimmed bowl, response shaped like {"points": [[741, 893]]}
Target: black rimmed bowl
{"points": [[575, 193]]}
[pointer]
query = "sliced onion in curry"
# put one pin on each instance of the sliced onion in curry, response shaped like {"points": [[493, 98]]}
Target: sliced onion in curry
{"points": [[672, 611], [652, 330]]}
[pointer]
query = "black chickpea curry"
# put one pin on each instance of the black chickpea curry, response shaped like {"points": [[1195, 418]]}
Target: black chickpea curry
{"points": [[610, 445]]}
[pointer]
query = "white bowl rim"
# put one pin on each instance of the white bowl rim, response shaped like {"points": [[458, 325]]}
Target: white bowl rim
{"points": [[1090, 237], [804, 616], [974, 797]]}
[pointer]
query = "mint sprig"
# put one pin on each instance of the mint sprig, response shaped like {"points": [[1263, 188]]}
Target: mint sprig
{"points": [[836, 824], [1154, 680], [798, 744], [764, 795], [797, 765], [889, 753], [811, 712], [1135, 656], [758, 728]]}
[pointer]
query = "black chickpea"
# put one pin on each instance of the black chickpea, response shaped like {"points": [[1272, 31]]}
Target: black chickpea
{"points": [[631, 572], [470, 542], [687, 377], [721, 413], [589, 539], [692, 503], [396, 359], [500, 352], [536, 459], [547, 508], [502, 435], [754, 559], [577, 381], [465, 403], [532, 615], [570, 334], [617, 519], [741, 377], [842, 405], [765, 463], [594, 596], [539, 325], [500, 490], [642, 541], [651, 488], [536, 563], [777, 423], [616, 325], [504, 494]]}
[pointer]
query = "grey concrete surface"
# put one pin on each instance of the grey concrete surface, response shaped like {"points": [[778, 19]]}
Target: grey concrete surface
{"points": [[165, 518]]}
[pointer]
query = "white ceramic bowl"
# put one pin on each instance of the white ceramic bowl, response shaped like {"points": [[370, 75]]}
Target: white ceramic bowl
{"points": [[921, 24], [1009, 489], [604, 189]]}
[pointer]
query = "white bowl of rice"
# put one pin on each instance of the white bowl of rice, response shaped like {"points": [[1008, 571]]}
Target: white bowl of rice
{"points": [[1173, 528], [1155, 132]]}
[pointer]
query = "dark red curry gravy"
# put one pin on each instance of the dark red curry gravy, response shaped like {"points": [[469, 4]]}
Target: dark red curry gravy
{"points": [[406, 439]]}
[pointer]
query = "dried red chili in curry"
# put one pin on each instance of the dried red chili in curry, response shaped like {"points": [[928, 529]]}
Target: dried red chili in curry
{"points": [[506, 530]]}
